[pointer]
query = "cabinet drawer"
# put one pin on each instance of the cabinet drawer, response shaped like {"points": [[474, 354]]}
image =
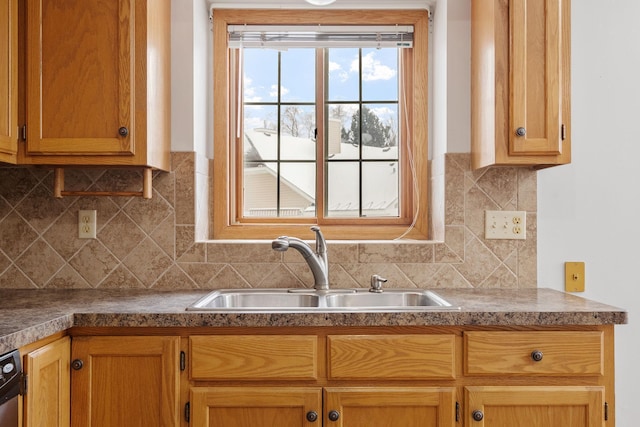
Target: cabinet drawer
{"points": [[534, 353], [254, 357], [391, 356]]}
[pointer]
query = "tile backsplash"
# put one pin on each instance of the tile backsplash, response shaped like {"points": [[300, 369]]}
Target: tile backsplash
{"points": [[158, 243]]}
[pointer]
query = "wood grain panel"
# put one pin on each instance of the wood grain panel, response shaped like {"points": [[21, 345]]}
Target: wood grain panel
{"points": [[48, 383], [254, 357], [509, 353], [391, 356], [535, 406], [8, 80], [390, 406]]}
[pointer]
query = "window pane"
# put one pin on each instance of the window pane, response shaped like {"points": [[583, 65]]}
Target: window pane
{"points": [[260, 75], [343, 74], [297, 132], [380, 189], [260, 190], [343, 190], [342, 143], [260, 132], [380, 74], [298, 82], [380, 131], [297, 189]]}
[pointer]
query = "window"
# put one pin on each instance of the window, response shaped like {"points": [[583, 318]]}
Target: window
{"points": [[316, 132]]}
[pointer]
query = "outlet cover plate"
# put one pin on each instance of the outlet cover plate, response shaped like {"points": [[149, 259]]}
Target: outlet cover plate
{"points": [[87, 224], [505, 225]]}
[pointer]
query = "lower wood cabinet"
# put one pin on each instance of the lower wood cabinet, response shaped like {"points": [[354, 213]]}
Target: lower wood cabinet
{"points": [[46, 402], [255, 406], [303, 407], [443, 376], [554, 406], [390, 406], [122, 381]]}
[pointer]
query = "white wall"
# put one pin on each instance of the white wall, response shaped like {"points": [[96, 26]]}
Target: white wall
{"points": [[587, 210]]}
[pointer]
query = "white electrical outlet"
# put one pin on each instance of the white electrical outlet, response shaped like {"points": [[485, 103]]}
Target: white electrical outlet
{"points": [[505, 225], [87, 224]]}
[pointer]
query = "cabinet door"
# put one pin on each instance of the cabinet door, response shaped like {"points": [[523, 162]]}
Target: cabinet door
{"points": [[256, 407], [125, 381], [534, 406], [389, 407], [8, 80], [80, 77], [535, 65], [47, 399]]}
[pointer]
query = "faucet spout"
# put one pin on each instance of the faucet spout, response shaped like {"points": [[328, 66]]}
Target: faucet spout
{"points": [[317, 261]]}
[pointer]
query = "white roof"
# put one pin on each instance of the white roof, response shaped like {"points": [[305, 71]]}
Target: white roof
{"points": [[380, 189]]}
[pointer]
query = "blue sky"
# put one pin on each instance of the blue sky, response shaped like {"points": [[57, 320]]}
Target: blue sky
{"points": [[379, 79]]}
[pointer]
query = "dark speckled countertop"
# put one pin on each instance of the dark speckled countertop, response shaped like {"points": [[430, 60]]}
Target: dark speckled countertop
{"points": [[30, 315]]}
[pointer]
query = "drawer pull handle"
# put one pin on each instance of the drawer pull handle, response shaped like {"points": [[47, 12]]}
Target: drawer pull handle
{"points": [[312, 416], [334, 415], [536, 355], [477, 415], [123, 131], [521, 131]]}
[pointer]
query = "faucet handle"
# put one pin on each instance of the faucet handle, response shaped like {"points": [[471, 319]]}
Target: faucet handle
{"points": [[321, 244], [376, 283]]}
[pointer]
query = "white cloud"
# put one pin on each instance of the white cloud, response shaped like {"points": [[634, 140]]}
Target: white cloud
{"points": [[250, 91], [373, 69], [384, 113], [274, 91], [334, 66], [342, 75]]}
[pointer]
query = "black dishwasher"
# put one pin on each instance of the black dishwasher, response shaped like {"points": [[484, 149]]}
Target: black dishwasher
{"points": [[10, 385]]}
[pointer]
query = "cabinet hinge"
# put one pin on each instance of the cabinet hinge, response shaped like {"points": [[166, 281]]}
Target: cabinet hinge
{"points": [[563, 131], [606, 411], [457, 412], [187, 411], [23, 132], [23, 384], [183, 361]]}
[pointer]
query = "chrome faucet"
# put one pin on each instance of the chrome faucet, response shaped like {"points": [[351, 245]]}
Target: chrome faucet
{"points": [[317, 260]]}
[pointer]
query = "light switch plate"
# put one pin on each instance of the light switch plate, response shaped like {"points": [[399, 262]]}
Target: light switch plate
{"points": [[505, 225]]}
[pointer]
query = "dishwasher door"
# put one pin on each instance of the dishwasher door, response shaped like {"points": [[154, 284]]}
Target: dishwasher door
{"points": [[10, 382]]}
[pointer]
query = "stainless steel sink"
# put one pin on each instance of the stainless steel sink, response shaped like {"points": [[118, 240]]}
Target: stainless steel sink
{"points": [[255, 299], [388, 298], [309, 300]]}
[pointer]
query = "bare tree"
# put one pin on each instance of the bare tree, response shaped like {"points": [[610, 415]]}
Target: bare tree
{"points": [[291, 120]]}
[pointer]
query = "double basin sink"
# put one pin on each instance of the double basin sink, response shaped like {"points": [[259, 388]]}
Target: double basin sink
{"points": [[310, 300]]}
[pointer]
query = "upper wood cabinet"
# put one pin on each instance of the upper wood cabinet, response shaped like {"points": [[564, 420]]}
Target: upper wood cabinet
{"points": [[8, 80], [520, 82], [97, 83]]}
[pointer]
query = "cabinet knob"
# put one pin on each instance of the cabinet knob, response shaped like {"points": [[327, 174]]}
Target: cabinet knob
{"points": [[334, 415], [477, 415], [521, 131], [123, 131], [312, 416], [536, 355], [77, 364]]}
